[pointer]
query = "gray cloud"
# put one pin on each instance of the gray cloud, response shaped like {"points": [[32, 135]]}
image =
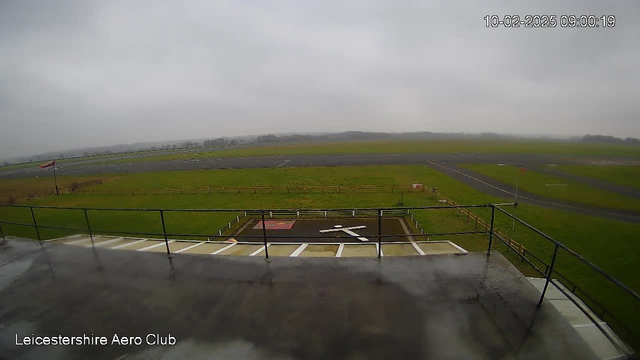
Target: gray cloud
{"points": [[83, 73]]}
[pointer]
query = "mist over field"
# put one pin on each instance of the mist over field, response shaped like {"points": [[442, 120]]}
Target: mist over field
{"points": [[78, 74]]}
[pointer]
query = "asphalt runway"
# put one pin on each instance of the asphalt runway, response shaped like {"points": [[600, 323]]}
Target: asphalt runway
{"points": [[253, 162], [493, 187], [442, 162]]}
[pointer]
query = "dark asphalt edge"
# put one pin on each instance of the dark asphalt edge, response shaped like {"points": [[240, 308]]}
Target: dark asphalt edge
{"points": [[604, 185], [496, 188]]}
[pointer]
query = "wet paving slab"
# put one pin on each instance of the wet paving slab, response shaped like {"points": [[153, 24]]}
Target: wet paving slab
{"points": [[206, 248], [402, 307], [368, 250], [438, 248], [174, 246], [399, 250], [318, 250], [282, 250]]}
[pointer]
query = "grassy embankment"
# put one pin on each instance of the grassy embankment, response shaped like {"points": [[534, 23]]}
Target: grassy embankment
{"points": [[556, 187], [628, 175]]}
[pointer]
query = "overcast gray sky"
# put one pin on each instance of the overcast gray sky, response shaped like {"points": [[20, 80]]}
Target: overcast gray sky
{"points": [[89, 73]]}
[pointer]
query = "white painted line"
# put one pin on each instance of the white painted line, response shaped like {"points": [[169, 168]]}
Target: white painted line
{"points": [[361, 238], [127, 244], [458, 247], [417, 248], [78, 241], [343, 229], [520, 196], [299, 250], [340, 248], [107, 242], [223, 249], [601, 323], [155, 245], [258, 251], [284, 163], [381, 253], [66, 237], [189, 247]]}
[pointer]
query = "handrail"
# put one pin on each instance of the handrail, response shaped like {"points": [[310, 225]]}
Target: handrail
{"points": [[572, 252], [377, 212], [252, 210]]}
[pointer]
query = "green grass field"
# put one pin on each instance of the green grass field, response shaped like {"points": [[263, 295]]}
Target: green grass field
{"points": [[400, 147], [556, 187], [24, 188], [106, 158], [605, 242], [628, 175]]}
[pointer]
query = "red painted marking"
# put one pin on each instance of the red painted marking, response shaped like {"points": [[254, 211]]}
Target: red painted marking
{"points": [[275, 225]]}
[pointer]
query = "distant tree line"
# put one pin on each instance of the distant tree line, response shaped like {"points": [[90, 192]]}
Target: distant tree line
{"points": [[603, 139], [294, 138]]}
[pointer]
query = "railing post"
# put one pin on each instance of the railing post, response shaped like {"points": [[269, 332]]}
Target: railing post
{"points": [[493, 214], [379, 234], [86, 218], [1, 232], [164, 231], [549, 273], [35, 224], [264, 235]]}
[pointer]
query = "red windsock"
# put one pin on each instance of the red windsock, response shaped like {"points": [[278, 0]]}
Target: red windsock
{"points": [[47, 164]]}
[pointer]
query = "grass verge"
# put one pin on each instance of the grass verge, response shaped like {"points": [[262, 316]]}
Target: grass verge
{"points": [[556, 187]]}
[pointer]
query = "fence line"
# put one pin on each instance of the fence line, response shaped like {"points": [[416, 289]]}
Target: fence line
{"points": [[379, 213], [479, 222], [255, 189]]}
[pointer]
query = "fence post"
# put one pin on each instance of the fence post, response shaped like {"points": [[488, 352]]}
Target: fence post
{"points": [[549, 273], [264, 235], [86, 218], [379, 234], [35, 224], [493, 214], [164, 231]]}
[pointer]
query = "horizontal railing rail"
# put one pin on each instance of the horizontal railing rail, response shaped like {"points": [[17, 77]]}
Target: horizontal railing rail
{"points": [[486, 227], [550, 270]]}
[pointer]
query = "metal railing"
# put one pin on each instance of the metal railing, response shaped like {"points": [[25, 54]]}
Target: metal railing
{"points": [[250, 189], [550, 269], [379, 213]]}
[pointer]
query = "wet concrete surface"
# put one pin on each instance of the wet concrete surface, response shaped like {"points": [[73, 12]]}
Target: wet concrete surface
{"points": [[436, 307], [493, 187]]}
